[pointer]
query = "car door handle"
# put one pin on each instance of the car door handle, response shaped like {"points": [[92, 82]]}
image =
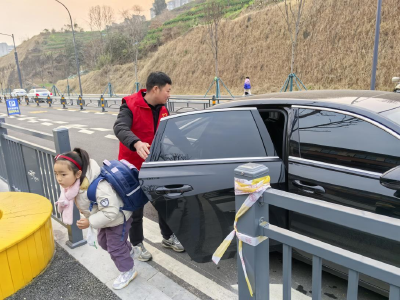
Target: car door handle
{"points": [[174, 189], [317, 189]]}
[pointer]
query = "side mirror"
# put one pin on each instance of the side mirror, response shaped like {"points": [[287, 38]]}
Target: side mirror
{"points": [[391, 179]]}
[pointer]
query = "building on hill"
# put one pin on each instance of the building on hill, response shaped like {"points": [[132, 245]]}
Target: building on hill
{"points": [[5, 49], [126, 22], [172, 4]]}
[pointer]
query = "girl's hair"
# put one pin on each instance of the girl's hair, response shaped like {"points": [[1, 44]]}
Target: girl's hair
{"points": [[81, 157]]}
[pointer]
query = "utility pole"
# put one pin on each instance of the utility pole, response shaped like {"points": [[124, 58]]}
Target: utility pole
{"points": [[376, 45], [76, 52]]}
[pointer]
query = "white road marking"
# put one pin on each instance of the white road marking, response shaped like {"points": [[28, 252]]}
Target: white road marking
{"points": [[86, 131], [44, 120], [115, 114], [47, 124], [101, 129], [84, 111], [151, 231], [110, 136], [33, 121], [99, 113], [69, 126], [60, 122], [72, 110], [21, 115], [11, 117]]}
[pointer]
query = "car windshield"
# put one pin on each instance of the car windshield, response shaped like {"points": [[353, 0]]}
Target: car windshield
{"points": [[42, 91], [393, 114]]}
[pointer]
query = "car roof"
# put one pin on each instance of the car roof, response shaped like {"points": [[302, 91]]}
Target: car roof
{"points": [[376, 101], [365, 102]]}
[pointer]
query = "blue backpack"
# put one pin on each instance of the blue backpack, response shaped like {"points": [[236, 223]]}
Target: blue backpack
{"points": [[124, 178]]}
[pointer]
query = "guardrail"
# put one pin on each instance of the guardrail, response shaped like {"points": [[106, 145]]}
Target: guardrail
{"points": [[28, 167], [255, 222], [174, 104]]}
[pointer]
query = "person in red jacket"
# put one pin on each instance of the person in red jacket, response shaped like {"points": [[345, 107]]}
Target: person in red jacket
{"points": [[135, 127]]}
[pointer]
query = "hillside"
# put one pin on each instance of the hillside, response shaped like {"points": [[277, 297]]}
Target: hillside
{"points": [[334, 51], [42, 58]]}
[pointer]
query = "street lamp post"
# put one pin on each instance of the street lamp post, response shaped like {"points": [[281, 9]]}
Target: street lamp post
{"points": [[376, 45], [16, 59], [76, 52]]}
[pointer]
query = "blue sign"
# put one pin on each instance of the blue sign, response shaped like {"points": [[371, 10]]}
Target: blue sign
{"points": [[12, 107]]}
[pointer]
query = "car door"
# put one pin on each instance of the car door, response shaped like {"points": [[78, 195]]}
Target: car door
{"points": [[339, 157], [189, 175]]}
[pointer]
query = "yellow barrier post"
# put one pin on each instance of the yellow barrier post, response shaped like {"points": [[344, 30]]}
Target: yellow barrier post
{"points": [[25, 248]]}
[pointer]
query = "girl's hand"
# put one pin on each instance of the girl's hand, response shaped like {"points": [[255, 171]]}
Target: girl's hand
{"points": [[83, 223]]}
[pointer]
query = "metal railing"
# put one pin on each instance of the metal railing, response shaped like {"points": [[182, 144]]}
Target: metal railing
{"points": [[174, 104], [28, 167], [256, 223]]}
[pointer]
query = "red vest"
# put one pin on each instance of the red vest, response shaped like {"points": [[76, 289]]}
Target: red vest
{"points": [[142, 126]]}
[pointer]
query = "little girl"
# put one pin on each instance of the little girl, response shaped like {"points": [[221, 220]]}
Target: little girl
{"points": [[75, 172]]}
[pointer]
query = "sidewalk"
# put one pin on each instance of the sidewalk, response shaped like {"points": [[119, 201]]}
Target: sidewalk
{"points": [[87, 269], [149, 284], [3, 186]]}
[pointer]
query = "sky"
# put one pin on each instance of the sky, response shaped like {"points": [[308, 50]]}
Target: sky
{"points": [[26, 18]]}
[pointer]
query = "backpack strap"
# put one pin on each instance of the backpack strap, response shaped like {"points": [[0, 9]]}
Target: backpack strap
{"points": [[124, 226], [91, 191]]}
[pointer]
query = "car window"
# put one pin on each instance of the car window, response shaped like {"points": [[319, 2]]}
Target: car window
{"points": [[211, 135], [42, 90], [31, 91], [341, 139]]}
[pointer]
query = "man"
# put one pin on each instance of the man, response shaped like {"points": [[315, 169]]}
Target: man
{"points": [[135, 127]]}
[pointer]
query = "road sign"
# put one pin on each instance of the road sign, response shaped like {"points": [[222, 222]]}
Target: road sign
{"points": [[12, 107]]}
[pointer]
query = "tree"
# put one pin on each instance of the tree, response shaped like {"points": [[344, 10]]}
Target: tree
{"points": [[136, 29], [50, 57], [292, 13], [159, 6], [213, 14], [100, 18]]}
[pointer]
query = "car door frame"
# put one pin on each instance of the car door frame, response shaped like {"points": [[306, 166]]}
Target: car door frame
{"points": [[151, 161]]}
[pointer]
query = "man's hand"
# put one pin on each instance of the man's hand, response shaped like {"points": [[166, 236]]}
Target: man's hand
{"points": [[82, 223], [142, 149]]}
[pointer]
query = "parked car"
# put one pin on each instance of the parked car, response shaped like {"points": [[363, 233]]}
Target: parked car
{"points": [[41, 93], [333, 146], [18, 93]]}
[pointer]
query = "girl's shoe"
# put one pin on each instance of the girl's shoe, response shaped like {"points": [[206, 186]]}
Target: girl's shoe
{"points": [[124, 278]]}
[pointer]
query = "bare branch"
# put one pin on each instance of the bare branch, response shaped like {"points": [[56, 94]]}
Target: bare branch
{"points": [[213, 14]]}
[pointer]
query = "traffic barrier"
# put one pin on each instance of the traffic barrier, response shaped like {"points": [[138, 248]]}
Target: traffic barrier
{"points": [[253, 277], [63, 102], [49, 101], [102, 104]]}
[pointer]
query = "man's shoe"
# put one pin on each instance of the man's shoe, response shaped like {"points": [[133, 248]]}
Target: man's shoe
{"points": [[173, 243], [141, 253], [124, 278]]}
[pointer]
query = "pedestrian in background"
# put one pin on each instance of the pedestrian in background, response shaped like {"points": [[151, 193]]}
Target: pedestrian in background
{"points": [[247, 87]]}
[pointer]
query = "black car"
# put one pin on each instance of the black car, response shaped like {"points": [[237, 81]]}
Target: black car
{"points": [[329, 145]]}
